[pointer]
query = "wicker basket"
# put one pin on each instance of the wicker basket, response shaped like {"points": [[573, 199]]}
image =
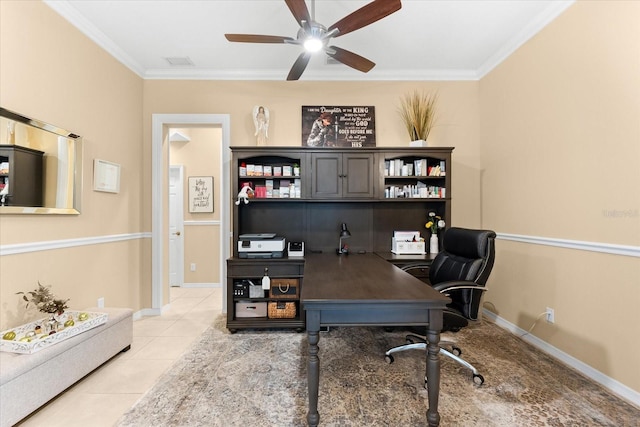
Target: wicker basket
{"points": [[282, 310]]}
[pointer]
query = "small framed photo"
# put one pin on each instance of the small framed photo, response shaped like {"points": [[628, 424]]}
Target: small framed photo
{"points": [[200, 194], [106, 176]]}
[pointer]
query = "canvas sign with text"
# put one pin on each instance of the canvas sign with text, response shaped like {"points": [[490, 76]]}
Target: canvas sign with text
{"points": [[340, 127]]}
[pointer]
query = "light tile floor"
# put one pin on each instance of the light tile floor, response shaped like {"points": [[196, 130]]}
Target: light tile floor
{"points": [[101, 398]]}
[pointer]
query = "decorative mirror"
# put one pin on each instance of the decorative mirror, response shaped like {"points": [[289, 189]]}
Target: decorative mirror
{"points": [[40, 167]]}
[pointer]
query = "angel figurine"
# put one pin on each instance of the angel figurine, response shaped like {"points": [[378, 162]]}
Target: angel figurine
{"points": [[261, 121]]}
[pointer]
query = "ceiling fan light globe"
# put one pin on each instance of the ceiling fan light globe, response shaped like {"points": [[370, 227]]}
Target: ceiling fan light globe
{"points": [[313, 44]]}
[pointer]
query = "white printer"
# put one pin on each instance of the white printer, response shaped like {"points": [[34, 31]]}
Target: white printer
{"points": [[261, 245]]}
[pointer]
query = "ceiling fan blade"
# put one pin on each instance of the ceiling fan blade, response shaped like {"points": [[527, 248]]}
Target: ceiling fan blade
{"points": [[366, 15], [256, 38], [351, 59], [299, 10], [299, 66]]}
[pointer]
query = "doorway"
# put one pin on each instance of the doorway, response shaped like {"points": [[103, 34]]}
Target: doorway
{"points": [[160, 172]]}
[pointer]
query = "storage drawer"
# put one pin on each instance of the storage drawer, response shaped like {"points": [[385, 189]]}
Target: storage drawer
{"points": [[258, 270], [251, 309]]}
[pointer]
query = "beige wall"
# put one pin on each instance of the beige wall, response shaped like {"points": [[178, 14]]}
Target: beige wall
{"points": [[560, 152], [51, 72], [458, 124]]}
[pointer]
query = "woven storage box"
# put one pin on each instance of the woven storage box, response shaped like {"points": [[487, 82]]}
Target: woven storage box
{"points": [[282, 310], [284, 288]]}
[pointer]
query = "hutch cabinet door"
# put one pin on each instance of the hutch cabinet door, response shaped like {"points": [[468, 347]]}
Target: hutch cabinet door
{"points": [[342, 175], [358, 177]]}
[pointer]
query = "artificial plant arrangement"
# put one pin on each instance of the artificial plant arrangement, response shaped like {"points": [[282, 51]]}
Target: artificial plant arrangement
{"points": [[418, 114], [434, 222], [44, 300]]}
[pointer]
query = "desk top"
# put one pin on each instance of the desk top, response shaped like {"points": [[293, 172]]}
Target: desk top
{"points": [[362, 278]]}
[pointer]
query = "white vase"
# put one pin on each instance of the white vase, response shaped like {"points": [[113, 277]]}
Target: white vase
{"points": [[433, 244], [418, 143]]}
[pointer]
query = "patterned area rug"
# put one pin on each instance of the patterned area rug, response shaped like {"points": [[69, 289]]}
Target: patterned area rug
{"points": [[258, 378]]}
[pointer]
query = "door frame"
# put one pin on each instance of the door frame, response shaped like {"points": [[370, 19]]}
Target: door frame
{"points": [[160, 124]]}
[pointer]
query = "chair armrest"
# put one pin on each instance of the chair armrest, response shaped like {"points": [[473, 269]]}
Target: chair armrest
{"points": [[453, 285], [415, 265]]}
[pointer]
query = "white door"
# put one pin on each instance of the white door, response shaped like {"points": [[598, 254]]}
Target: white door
{"points": [[176, 226]]}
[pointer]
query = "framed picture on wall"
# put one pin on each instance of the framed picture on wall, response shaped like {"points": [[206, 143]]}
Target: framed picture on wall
{"points": [[201, 194], [339, 127], [106, 176]]}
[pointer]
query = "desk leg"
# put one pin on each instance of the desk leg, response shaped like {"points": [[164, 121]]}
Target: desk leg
{"points": [[313, 367], [433, 366]]}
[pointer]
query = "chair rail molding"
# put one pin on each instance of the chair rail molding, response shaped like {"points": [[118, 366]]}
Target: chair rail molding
{"points": [[608, 248], [205, 222], [21, 248]]}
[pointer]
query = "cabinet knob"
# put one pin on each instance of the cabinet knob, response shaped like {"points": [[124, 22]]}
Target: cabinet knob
{"points": [[177, 233]]}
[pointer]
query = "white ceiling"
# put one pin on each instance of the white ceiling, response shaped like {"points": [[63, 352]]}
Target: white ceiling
{"points": [[425, 40]]}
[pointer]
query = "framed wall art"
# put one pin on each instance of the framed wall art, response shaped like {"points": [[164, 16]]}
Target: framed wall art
{"points": [[106, 176], [201, 194], [340, 127]]}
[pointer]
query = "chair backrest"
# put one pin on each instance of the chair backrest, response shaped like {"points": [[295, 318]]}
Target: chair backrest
{"points": [[466, 255]]}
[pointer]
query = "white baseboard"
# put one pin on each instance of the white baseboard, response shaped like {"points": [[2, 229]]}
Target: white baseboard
{"points": [[624, 392], [146, 312]]}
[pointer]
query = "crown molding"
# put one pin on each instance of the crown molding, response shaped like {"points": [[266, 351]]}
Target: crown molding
{"points": [[68, 12], [554, 10]]}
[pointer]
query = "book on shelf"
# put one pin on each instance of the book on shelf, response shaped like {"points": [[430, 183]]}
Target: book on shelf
{"points": [[269, 186], [284, 188]]}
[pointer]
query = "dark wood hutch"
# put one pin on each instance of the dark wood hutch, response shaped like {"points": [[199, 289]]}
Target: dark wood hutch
{"points": [[367, 189]]}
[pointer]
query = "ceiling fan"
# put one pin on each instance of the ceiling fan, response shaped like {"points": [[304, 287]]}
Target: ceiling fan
{"points": [[315, 37]]}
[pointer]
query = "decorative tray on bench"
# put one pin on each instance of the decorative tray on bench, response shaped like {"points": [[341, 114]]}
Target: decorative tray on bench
{"points": [[38, 341]]}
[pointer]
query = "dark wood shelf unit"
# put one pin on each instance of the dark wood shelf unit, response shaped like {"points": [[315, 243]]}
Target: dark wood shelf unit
{"points": [[336, 186], [254, 269]]}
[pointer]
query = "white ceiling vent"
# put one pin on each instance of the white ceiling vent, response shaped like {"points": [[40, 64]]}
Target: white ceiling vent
{"points": [[179, 61]]}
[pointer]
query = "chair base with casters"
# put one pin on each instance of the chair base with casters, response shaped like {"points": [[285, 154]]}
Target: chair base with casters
{"points": [[422, 345]]}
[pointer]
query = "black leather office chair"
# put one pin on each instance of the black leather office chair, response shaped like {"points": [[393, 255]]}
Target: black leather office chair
{"points": [[460, 271]]}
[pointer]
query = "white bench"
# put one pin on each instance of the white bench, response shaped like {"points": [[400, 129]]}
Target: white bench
{"points": [[28, 381]]}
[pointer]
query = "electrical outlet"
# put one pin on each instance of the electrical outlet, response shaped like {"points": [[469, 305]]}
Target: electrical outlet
{"points": [[101, 302], [551, 316], [193, 266]]}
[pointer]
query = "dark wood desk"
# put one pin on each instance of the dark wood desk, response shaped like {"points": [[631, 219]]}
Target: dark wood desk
{"points": [[364, 289]]}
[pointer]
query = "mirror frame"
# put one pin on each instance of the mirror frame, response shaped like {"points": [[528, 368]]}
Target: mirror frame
{"points": [[77, 168]]}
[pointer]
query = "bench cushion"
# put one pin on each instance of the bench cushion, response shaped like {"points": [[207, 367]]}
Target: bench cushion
{"points": [[27, 381]]}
